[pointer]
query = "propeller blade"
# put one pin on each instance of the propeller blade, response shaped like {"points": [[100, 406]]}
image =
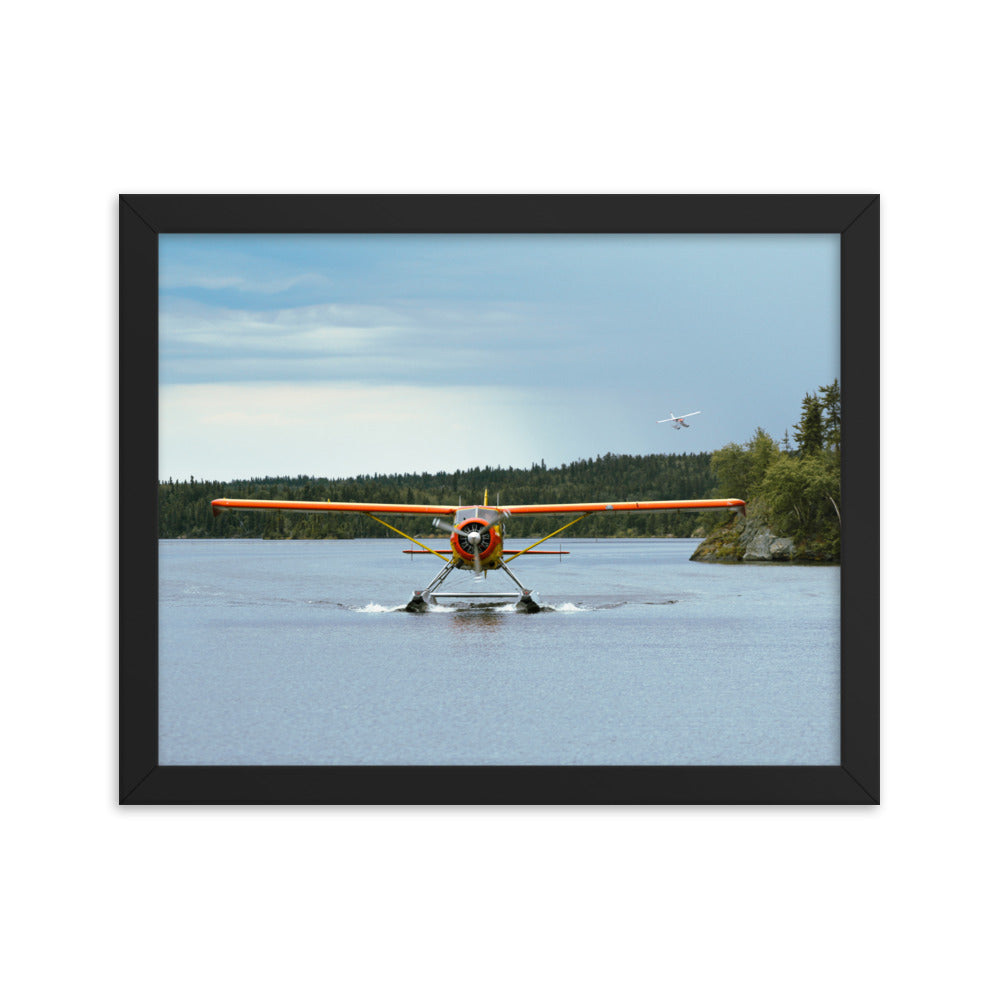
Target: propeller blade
{"points": [[473, 537]]}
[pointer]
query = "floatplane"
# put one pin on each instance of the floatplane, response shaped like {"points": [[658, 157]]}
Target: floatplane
{"points": [[678, 422], [476, 534]]}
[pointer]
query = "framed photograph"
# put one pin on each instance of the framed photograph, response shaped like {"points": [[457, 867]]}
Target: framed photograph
{"points": [[667, 404]]}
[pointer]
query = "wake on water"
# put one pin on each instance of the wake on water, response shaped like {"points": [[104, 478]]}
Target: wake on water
{"points": [[449, 609]]}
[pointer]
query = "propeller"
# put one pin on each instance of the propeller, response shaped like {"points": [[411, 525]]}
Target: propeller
{"points": [[476, 538], [473, 538]]}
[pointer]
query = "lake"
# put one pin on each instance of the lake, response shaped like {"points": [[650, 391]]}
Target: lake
{"points": [[298, 652]]}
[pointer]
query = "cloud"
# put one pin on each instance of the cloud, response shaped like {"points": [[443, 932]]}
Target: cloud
{"points": [[411, 346], [228, 276], [412, 342], [189, 329]]}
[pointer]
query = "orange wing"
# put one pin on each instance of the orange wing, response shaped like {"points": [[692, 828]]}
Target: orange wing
{"points": [[425, 509], [330, 506], [626, 505]]}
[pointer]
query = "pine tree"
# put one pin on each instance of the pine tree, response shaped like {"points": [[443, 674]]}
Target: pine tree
{"points": [[809, 430], [830, 394]]}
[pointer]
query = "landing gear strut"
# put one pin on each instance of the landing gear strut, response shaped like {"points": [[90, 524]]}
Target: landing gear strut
{"points": [[423, 599]]}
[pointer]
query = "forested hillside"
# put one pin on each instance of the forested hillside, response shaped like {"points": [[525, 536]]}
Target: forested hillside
{"points": [[185, 507]]}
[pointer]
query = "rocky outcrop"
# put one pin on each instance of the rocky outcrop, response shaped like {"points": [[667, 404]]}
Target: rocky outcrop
{"points": [[748, 539], [761, 545]]}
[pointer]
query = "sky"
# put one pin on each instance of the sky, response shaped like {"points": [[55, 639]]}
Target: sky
{"points": [[346, 354]]}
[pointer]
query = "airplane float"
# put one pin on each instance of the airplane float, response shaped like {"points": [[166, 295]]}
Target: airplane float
{"points": [[476, 533], [678, 422]]}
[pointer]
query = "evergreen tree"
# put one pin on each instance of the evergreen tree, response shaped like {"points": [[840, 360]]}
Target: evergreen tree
{"points": [[830, 395], [809, 430]]}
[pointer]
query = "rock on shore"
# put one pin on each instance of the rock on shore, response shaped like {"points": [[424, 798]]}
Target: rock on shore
{"points": [[748, 539]]}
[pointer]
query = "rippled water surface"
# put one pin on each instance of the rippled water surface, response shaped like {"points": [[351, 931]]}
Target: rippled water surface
{"points": [[299, 652]]}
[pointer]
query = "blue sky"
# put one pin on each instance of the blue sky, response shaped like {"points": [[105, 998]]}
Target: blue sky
{"points": [[338, 355]]}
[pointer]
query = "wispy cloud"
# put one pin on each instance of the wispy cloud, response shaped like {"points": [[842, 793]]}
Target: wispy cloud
{"points": [[405, 342], [177, 276]]}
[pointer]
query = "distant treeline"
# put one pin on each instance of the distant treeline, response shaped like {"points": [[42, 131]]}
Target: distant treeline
{"points": [[185, 507]]}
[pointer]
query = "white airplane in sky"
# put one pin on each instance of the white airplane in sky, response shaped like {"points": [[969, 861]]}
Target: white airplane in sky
{"points": [[678, 422]]}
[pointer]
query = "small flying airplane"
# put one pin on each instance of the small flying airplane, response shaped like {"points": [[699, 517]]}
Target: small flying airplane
{"points": [[477, 532], [678, 422]]}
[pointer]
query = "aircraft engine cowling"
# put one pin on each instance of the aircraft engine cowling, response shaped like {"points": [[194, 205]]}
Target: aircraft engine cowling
{"points": [[472, 535]]}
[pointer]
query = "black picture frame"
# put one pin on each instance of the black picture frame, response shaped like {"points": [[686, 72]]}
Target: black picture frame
{"points": [[143, 217]]}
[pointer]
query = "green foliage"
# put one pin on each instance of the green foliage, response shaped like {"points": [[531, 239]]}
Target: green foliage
{"points": [[185, 509], [802, 494], [830, 397], [740, 470], [798, 491], [809, 431]]}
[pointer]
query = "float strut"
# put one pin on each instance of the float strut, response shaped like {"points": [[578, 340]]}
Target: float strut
{"points": [[526, 602], [421, 599]]}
